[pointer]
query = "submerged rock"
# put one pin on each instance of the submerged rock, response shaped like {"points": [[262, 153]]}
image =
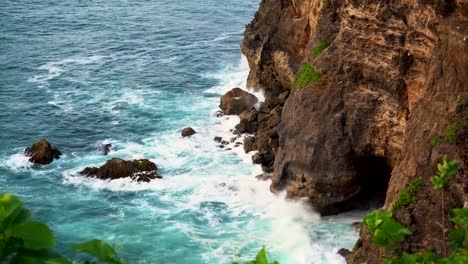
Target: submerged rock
{"points": [[139, 170], [105, 148], [42, 152], [188, 131], [237, 101]]}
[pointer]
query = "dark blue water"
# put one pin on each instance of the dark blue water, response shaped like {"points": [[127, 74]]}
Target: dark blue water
{"points": [[134, 73]]}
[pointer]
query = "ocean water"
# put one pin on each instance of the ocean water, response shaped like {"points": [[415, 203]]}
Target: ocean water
{"points": [[134, 73]]}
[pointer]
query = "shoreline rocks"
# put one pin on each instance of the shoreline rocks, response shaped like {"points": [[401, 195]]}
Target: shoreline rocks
{"points": [[42, 152], [141, 170], [237, 101]]}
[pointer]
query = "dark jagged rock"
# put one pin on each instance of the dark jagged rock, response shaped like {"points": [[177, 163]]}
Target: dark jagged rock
{"points": [[42, 152], [248, 122], [138, 170], [344, 252], [218, 139], [105, 148], [188, 131], [237, 101], [249, 144]]}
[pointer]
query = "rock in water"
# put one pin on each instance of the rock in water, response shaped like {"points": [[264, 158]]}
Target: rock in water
{"points": [[188, 131], [139, 170], [237, 101], [42, 152], [105, 148]]}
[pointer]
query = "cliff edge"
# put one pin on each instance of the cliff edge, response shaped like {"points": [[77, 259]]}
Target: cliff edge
{"points": [[371, 95]]}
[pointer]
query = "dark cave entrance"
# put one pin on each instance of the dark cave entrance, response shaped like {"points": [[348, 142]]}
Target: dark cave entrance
{"points": [[374, 173]]}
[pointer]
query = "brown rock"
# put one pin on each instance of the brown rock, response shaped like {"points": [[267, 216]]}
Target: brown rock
{"points": [[248, 122], [218, 139], [275, 117], [139, 170], [188, 131], [42, 152], [236, 101], [249, 144]]}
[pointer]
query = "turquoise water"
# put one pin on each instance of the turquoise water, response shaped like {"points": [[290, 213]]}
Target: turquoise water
{"points": [[134, 73]]}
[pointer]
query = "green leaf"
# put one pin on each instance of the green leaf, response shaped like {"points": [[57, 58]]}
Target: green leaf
{"points": [[261, 257], [35, 235], [97, 248], [8, 204]]}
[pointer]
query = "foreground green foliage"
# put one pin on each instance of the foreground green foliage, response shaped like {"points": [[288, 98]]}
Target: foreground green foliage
{"points": [[459, 237], [376, 221], [446, 170], [408, 196], [320, 48], [386, 231], [451, 132], [305, 76], [261, 258], [24, 241]]}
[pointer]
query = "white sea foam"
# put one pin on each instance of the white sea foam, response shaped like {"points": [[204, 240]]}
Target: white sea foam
{"points": [[17, 162], [55, 68], [205, 173]]}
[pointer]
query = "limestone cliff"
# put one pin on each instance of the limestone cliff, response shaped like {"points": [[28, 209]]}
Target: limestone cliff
{"points": [[393, 78]]}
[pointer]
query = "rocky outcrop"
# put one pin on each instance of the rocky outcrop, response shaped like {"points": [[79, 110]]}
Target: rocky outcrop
{"points": [[42, 152], [138, 170], [237, 101], [188, 131], [392, 75]]}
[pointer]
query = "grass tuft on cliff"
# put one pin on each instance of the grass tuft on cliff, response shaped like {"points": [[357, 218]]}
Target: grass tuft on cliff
{"points": [[320, 48], [408, 195], [306, 75], [451, 132]]}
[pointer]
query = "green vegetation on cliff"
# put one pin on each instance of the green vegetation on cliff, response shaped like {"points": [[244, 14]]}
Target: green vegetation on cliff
{"points": [[320, 48], [451, 132], [408, 195], [305, 76], [388, 233]]}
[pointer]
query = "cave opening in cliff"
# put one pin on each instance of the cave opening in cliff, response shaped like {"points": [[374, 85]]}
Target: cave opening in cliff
{"points": [[374, 174]]}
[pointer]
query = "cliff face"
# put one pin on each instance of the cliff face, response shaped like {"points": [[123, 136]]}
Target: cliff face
{"points": [[393, 77]]}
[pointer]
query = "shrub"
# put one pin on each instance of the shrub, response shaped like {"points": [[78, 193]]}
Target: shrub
{"points": [[386, 231], [446, 170], [305, 76], [451, 132], [459, 237], [408, 195], [320, 48]]}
